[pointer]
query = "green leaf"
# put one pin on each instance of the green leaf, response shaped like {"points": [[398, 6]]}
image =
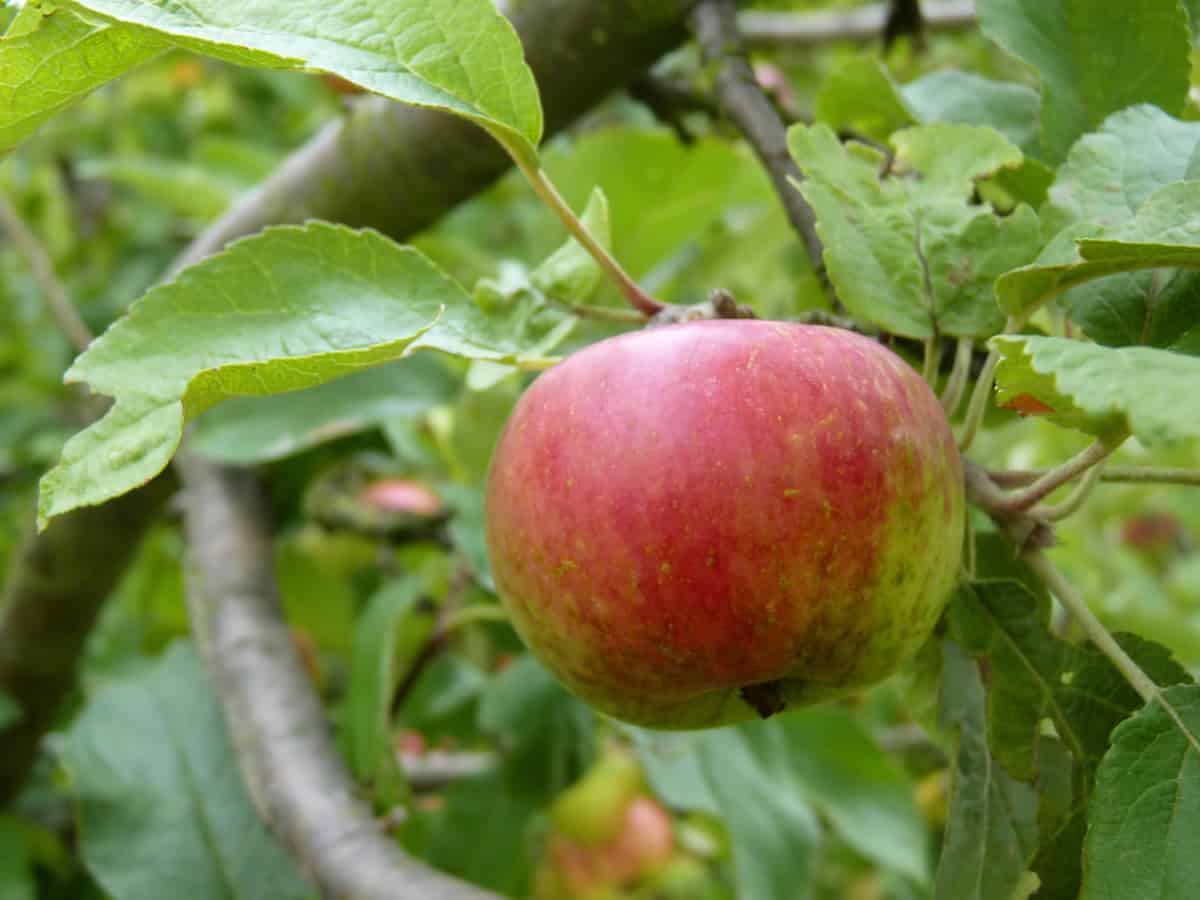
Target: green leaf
{"points": [[10, 711], [1143, 818], [549, 738], [858, 788], [462, 57], [1164, 231], [290, 308], [911, 255], [1109, 174], [249, 430], [1094, 60], [16, 865], [991, 826], [56, 58], [391, 632], [768, 780], [952, 96], [1100, 390], [159, 796], [861, 95], [184, 188], [1036, 676], [662, 195], [570, 273], [773, 829]]}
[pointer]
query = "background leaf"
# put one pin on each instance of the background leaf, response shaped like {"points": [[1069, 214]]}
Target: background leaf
{"points": [[769, 780], [549, 737], [16, 865], [248, 430], [862, 96], [390, 632], [463, 57], [1094, 59], [159, 795], [949, 95]]}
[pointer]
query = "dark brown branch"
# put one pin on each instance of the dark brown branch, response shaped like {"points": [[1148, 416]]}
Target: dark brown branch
{"points": [[746, 104], [864, 23], [57, 585]]}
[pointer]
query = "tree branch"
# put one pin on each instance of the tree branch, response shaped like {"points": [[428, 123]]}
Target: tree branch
{"points": [[1091, 455], [42, 268], [299, 784], [744, 102], [1113, 474], [865, 23], [57, 585]]}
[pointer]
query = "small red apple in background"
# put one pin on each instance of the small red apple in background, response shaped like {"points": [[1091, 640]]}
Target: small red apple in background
{"points": [[402, 495], [606, 833], [695, 524]]}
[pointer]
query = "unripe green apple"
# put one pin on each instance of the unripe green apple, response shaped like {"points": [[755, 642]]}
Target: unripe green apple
{"points": [[592, 810], [696, 524]]}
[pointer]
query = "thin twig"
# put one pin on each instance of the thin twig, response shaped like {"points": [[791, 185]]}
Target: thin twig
{"points": [[931, 357], [957, 382], [42, 268], [602, 313], [1110, 474], [747, 105], [1058, 511], [1091, 455], [866, 23]]}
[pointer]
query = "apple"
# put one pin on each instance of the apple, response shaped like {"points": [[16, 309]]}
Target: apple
{"points": [[696, 524], [592, 810]]}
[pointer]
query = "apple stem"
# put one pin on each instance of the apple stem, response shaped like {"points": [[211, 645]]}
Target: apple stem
{"points": [[929, 371], [982, 392], [957, 382], [1088, 458], [548, 194]]}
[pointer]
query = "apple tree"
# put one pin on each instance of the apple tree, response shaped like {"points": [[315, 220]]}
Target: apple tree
{"points": [[682, 449]]}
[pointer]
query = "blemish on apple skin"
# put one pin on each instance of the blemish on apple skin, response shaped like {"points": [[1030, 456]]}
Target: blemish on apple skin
{"points": [[665, 568], [791, 492], [567, 565]]}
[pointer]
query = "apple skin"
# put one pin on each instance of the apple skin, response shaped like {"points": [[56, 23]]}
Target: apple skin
{"points": [[697, 524]]}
